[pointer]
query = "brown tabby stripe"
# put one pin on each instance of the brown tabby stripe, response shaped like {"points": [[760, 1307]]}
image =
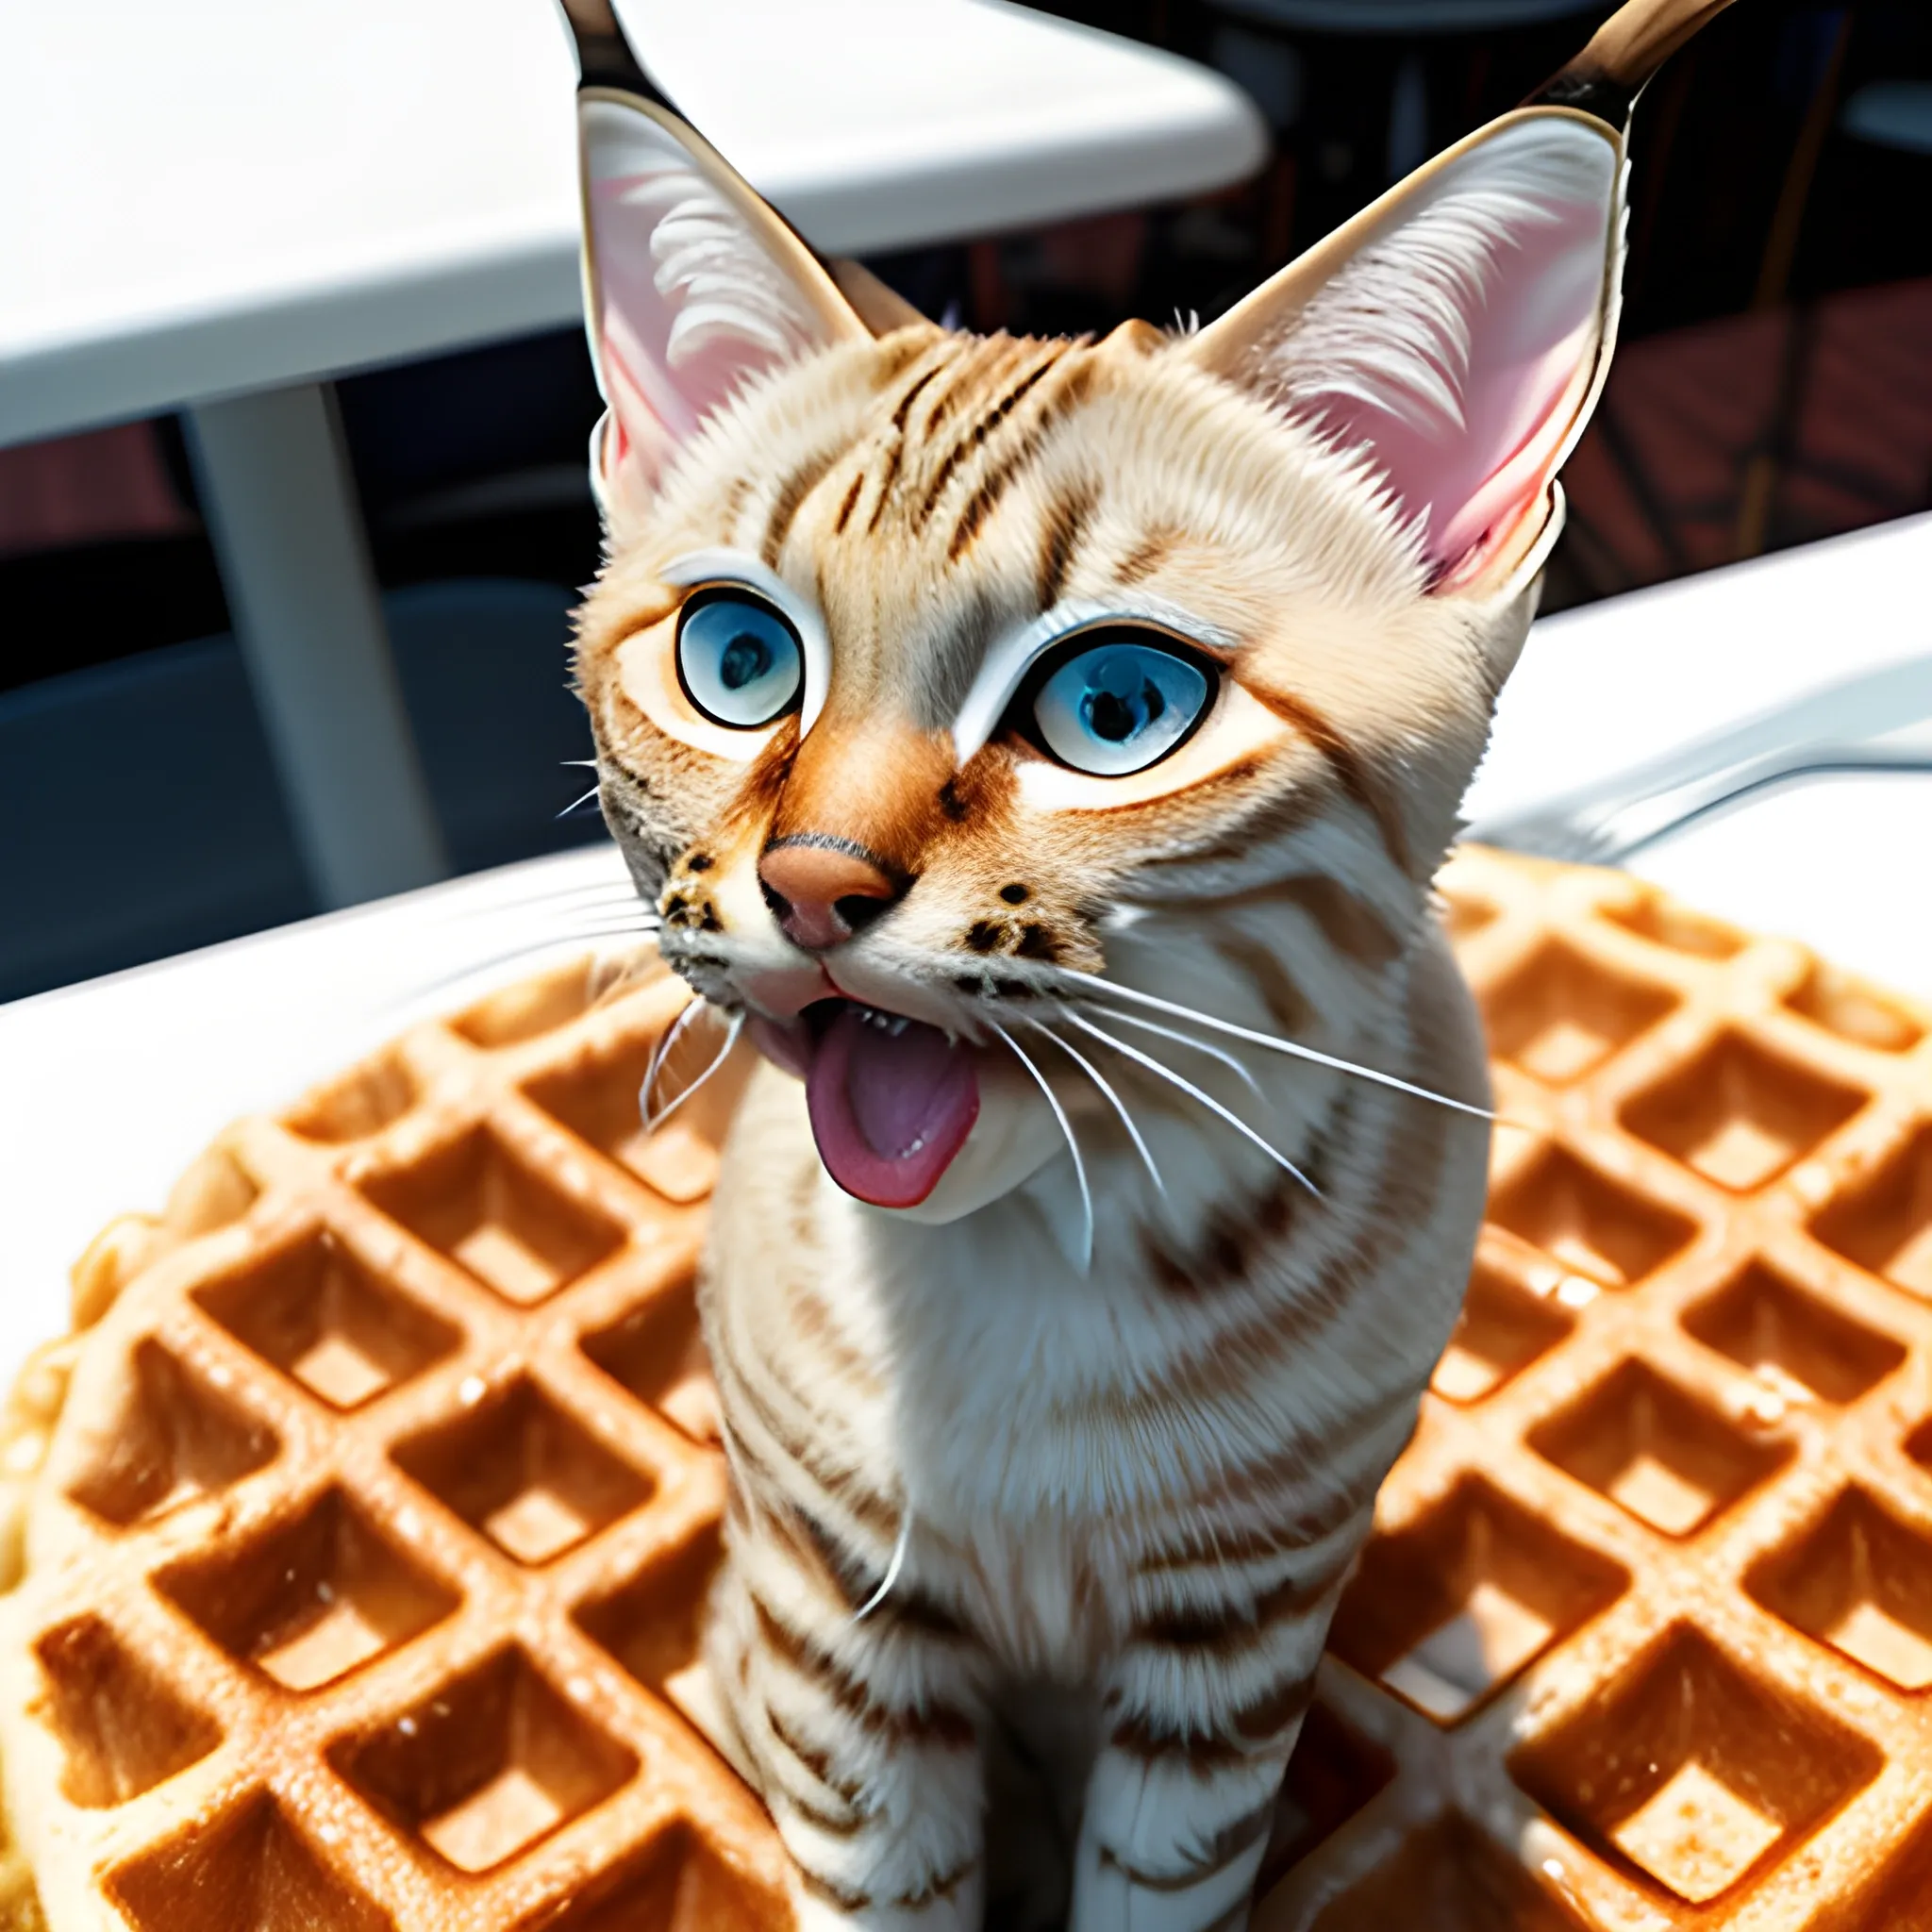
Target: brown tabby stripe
{"points": [[1213, 1549], [734, 504], [790, 499], [1301, 1453], [1239, 1230], [1065, 524], [906, 1605], [1232, 1842], [900, 355], [904, 408], [842, 1362], [938, 1724], [817, 1553], [848, 1822], [1146, 557], [819, 1763], [1259, 1721], [1343, 762], [1288, 1006], [1276, 819], [973, 373], [944, 1886], [1149, 1740], [839, 1897], [987, 422], [844, 515], [888, 476], [1266, 1717], [1232, 1628], [841, 1484], [1348, 921], [993, 486], [1404, 1196]]}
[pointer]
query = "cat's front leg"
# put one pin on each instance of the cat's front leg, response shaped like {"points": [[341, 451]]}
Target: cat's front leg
{"points": [[1182, 1794], [864, 1739]]}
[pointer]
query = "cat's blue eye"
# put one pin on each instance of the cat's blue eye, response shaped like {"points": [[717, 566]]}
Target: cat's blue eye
{"points": [[1120, 707], [740, 663]]}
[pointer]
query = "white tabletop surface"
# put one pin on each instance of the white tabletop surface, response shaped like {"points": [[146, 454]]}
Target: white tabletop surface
{"points": [[209, 196], [109, 1089]]}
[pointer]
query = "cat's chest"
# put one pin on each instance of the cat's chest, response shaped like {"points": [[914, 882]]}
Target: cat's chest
{"points": [[1048, 1598]]}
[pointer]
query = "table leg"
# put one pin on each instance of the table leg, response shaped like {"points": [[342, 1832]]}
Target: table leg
{"points": [[280, 505]]}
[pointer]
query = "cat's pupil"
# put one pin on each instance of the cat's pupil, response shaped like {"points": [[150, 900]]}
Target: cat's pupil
{"points": [[1117, 719], [746, 659]]}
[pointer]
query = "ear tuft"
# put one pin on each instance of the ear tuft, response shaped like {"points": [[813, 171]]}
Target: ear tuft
{"points": [[694, 286], [1491, 250], [1453, 331]]}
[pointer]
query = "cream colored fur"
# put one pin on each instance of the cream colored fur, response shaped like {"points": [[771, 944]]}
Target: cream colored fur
{"points": [[1041, 1433], [1048, 1484]]}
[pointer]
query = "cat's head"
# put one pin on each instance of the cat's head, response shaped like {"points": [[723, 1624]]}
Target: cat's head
{"points": [[929, 669]]}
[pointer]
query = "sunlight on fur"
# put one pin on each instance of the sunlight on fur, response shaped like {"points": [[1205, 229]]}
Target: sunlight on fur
{"points": [[1041, 751]]}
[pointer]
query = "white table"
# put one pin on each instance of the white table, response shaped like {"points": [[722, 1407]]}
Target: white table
{"points": [[108, 1090], [218, 205]]}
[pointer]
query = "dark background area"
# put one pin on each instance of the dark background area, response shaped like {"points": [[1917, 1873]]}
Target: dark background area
{"points": [[1773, 386]]}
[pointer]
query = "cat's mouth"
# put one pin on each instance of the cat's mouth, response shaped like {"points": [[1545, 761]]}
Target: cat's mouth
{"points": [[892, 1099]]}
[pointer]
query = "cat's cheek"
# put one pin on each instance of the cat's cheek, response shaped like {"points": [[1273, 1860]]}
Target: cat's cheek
{"points": [[1014, 1137]]}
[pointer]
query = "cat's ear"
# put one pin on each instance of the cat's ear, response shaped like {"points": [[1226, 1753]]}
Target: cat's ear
{"points": [[1456, 333], [691, 285]]}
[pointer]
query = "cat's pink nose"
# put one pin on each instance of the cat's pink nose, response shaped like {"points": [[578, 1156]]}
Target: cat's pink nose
{"points": [[823, 889]]}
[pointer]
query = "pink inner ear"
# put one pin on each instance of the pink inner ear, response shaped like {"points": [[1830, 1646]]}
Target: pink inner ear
{"points": [[689, 304], [1531, 320]]}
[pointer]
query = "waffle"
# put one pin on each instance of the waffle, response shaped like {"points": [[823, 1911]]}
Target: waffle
{"points": [[1643, 1637], [365, 1518], [379, 1493]]}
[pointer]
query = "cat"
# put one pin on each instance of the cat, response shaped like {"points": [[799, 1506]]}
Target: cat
{"points": [[1040, 751]]}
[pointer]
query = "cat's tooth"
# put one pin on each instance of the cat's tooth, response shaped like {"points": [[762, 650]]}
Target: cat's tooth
{"points": [[898, 1026]]}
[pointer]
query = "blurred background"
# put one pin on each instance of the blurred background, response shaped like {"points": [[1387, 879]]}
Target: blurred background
{"points": [[1773, 386]]}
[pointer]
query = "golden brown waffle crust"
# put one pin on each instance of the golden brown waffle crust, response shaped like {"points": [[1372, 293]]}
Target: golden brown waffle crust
{"points": [[118, 1588], [1676, 1460]]}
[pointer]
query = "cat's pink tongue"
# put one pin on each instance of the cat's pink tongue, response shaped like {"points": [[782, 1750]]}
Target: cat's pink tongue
{"points": [[889, 1109]]}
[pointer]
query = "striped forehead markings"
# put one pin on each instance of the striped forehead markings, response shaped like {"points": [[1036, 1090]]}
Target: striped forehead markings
{"points": [[972, 376], [1061, 530], [1023, 445], [986, 424], [791, 500], [889, 474]]}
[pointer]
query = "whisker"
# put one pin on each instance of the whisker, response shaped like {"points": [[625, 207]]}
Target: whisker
{"points": [[892, 1568], [544, 943], [602, 892], [546, 898], [1226, 1059], [1292, 1048], [661, 1052], [585, 799], [1093, 1074], [1059, 1113], [1207, 1100], [604, 927]]}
